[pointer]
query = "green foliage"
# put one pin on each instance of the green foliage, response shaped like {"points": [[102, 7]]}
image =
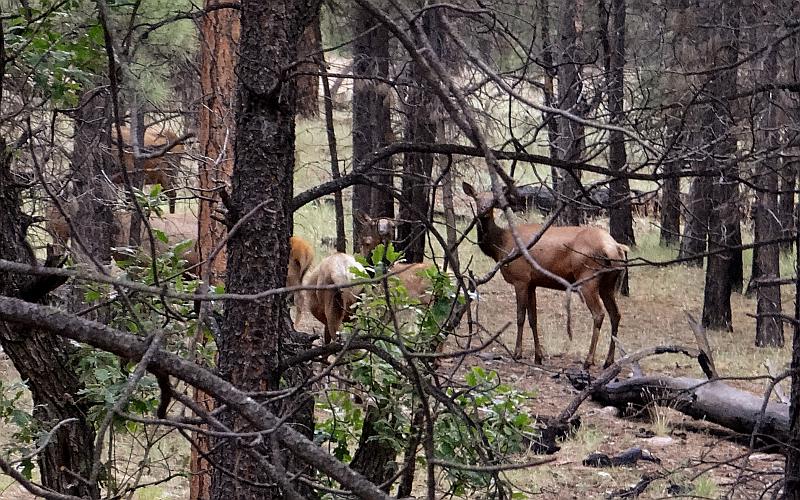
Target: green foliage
{"points": [[498, 410], [27, 433], [496, 422]]}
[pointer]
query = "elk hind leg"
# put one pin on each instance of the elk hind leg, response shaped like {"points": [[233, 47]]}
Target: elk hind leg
{"points": [[537, 345], [607, 293], [521, 293], [592, 299]]}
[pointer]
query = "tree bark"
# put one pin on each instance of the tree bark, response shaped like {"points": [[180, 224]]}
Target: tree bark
{"points": [[791, 485], [788, 182], [216, 136], [769, 327], [371, 114], [255, 335], [308, 50], [43, 359], [97, 228], [696, 219], [420, 114], [724, 215], [571, 141]]}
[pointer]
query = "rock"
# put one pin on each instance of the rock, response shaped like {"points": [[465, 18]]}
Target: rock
{"points": [[659, 441], [611, 411]]}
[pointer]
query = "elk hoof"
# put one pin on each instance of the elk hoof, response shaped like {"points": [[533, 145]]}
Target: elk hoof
{"points": [[588, 364], [608, 363]]}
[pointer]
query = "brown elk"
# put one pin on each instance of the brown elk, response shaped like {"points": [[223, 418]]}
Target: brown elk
{"points": [[381, 230], [331, 306], [585, 255], [159, 170]]}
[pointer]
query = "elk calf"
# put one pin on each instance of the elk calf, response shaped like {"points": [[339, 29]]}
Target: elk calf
{"points": [[588, 255], [331, 306]]}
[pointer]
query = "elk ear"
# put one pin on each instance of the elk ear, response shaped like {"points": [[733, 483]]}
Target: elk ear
{"points": [[468, 189], [363, 218]]}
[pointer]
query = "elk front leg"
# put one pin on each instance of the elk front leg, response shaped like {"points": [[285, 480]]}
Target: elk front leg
{"points": [[537, 346], [521, 293]]}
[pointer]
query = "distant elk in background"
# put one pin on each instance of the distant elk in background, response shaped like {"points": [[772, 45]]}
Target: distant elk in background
{"points": [[163, 169], [583, 255]]}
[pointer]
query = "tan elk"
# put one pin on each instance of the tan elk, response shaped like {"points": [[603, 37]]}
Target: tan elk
{"points": [[331, 306], [162, 169], [585, 255], [381, 230]]}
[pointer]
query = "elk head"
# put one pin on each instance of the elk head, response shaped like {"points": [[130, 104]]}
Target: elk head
{"points": [[378, 230]]}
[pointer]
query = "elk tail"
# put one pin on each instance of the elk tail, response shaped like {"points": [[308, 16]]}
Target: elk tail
{"points": [[616, 255]]}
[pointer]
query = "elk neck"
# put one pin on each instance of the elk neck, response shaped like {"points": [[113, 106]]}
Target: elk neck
{"points": [[491, 237]]}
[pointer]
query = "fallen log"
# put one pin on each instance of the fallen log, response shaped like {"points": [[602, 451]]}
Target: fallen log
{"points": [[713, 401]]}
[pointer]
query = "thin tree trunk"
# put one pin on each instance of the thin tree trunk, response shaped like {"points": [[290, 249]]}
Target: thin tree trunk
{"points": [[769, 326], [696, 216], [308, 50], [255, 334], [571, 139], [341, 239], [671, 195], [788, 182], [219, 36], [450, 216], [371, 114], [549, 87], [724, 216], [137, 177], [620, 216], [420, 114], [791, 486]]}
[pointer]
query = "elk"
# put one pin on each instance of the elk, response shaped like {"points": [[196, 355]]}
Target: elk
{"points": [[585, 255], [162, 169], [331, 306], [381, 230]]}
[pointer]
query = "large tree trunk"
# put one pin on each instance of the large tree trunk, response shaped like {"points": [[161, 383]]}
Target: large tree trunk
{"points": [[769, 326], [43, 359], [371, 114], [308, 50], [571, 139], [696, 215], [216, 136], [724, 216], [255, 335], [420, 115]]}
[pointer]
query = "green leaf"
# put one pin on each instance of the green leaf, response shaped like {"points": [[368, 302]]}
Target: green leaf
{"points": [[161, 235]]}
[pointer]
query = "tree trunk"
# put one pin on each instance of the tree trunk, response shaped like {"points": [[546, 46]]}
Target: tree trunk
{"points": [[374, 458], [724, 216], [371, 114], [671, 195], [695, 228], [216, 135], [97, 229], [570, 143], [769, 327], [308, 50], [219, 35], [341, 239], [788, 182], [549, 88], [41, 358], [791, 487], [255, 335], [137, 177], [620, 216], [420, 114]]}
